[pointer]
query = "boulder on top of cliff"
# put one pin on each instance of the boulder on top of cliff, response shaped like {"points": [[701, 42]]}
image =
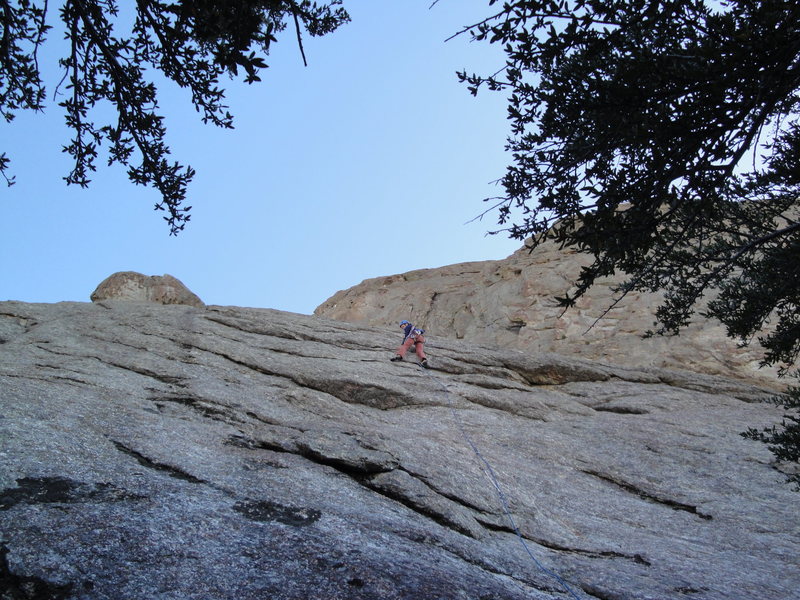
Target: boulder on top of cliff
{"points": [[135, 287]]}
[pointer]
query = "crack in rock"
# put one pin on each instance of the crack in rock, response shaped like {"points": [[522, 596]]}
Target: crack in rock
{"points": [[644, 495], [376, 470], [204, 408], [151, 464], [167, 379], [175, 380], [611, 554], [621, 410], [65, 380], [401, 486], [361, 393]]}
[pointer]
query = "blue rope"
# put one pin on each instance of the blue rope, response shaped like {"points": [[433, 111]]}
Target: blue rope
{"points": [[489, 472]]}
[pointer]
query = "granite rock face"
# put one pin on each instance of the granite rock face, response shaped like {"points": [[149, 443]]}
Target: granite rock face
{"points": [[511, 303], [154, 451], [135, 287]]}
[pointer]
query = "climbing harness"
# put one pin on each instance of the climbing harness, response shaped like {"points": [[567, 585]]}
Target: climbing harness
{"points": [[489, 472]]}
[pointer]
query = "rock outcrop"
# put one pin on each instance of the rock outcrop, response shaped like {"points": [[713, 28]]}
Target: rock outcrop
{"points": [[511, 303], [154, 451], [135, 287]]}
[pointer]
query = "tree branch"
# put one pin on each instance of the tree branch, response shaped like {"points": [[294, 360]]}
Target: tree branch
{"points": [[299, 37]]}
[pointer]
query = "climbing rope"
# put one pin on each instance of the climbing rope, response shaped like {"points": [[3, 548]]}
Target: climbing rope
{"points": [[489, 472]]}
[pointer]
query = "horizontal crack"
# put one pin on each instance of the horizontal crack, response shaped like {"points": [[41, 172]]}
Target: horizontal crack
{"points": [[637, 558], [373, 396], [276, 334], [644, 495], [440, 517], [286, 335], [621, 410], [449, 496], [595, 592], [539, 586], [151, 464], [168, 379], [363, 476], [203, 407], [55, 379]]}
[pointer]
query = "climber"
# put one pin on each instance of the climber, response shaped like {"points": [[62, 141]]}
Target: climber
{"points": [[413, 336]]}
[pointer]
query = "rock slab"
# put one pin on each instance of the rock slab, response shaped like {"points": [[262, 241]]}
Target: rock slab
{"points": [[511, 303], [175, 452]]}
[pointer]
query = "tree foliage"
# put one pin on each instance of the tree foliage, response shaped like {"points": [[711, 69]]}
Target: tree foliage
{"points": [[784, 441], [663, 136], [192, 42]]}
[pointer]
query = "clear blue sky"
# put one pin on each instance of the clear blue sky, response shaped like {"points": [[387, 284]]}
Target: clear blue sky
{"points": [[368, 162]]}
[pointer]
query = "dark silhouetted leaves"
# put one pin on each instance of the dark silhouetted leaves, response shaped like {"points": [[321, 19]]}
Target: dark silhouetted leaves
{"points": [[662, 138], [192, 43]]}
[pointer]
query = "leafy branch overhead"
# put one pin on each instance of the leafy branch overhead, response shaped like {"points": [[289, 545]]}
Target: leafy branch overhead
{"points": [[663, 139], [192, 42], [784, 441]]}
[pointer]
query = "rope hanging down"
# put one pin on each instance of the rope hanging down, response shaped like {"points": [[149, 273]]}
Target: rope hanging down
{"points": [[489, 472]]}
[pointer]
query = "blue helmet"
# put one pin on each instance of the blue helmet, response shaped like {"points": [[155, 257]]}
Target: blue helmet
{"points": [[404, 322]]}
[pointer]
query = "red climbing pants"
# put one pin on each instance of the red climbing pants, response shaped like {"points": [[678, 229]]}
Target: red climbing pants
{"points": [[418, 342]]}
